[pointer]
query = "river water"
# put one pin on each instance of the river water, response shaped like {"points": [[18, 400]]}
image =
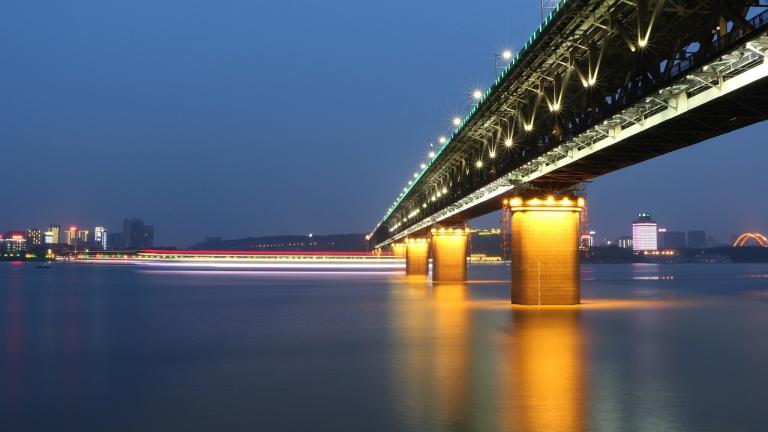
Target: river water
{"points": [[678, 347]]}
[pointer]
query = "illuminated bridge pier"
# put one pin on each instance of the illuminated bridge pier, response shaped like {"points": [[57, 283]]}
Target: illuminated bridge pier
{"points": [[448, 248], [398, 249], [545, 252], [449, 254], [417, 256]]}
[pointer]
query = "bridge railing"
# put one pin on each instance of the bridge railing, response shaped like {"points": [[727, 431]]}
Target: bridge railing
{"points": [[720, 43]]}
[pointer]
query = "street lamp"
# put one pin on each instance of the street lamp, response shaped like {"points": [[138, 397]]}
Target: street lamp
{"points": [[501, 59], [474, 97]]}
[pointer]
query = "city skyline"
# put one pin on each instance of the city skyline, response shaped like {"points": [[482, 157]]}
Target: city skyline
{"points": [[47, 234]]}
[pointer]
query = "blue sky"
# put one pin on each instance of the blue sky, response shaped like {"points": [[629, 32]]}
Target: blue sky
{"points": [[235, 118]]}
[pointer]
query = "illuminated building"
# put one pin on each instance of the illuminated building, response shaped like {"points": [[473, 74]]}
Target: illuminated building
{"points": [[82, 236], [696, 239], [624, 242], [34, 236], [48, 237], [70, 236], [644, 233], [13, 244], [55, 231], [100, 237], [587, 240]]}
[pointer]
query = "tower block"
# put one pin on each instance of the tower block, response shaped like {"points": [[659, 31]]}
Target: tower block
{"points": [[449, 254], [545, 250], [416, 257]]}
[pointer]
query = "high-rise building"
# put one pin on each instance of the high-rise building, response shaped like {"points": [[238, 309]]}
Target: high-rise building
{"points": [[673, 239], [82, 236], [34, 236], [624, 242], [100, 237], [697, 239], [587, 240], [644, 233], [136, 235], [70, 236], [55, 231], [115, 240], [133, 232], [48, 237], [149, 236]]}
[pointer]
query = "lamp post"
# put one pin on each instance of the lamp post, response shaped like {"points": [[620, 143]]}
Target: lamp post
{"points": [[501, 59]]}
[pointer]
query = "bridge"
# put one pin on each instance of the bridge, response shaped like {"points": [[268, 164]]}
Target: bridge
{"points": [[758, 238], [600, 85]]}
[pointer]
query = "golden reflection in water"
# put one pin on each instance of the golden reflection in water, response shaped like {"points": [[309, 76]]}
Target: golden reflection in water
{"points": [[463, 364], [452, 353], [546, 390]]}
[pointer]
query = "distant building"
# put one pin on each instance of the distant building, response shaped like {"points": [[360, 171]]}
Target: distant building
{"points": [[673, 240], [13, 244], [136, 235], [624, 242], [644, 233], [697, 239], [34, 236], [48, 237], [82, 236], [70, 236], [55, 231], [100, 237], [149, 237], [115, 240]]}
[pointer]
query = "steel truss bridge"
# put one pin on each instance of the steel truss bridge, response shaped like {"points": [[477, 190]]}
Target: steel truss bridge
{"points": [[601, 85]]}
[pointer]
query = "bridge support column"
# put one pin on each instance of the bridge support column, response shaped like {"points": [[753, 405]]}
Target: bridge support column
{"points": [[545, 253], [449, 254], [416, 257], [398, 250]]}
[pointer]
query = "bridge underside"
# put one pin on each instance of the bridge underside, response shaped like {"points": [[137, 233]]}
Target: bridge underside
{"points": [[743, 107]]}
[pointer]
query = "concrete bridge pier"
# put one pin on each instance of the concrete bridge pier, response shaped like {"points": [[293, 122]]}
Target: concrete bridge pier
{"points": [[545, 252], [398, 250], [417, 256], [449, 254]]}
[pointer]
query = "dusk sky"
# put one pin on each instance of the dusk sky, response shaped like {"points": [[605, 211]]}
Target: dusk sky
{"points": [[239, 118]]}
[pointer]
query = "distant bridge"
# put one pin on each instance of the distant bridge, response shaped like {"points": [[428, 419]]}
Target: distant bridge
{"points": [[600, 85], [757, 237]]}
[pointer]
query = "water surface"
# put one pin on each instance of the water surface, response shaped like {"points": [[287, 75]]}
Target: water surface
{"points": [[654, 348]]}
